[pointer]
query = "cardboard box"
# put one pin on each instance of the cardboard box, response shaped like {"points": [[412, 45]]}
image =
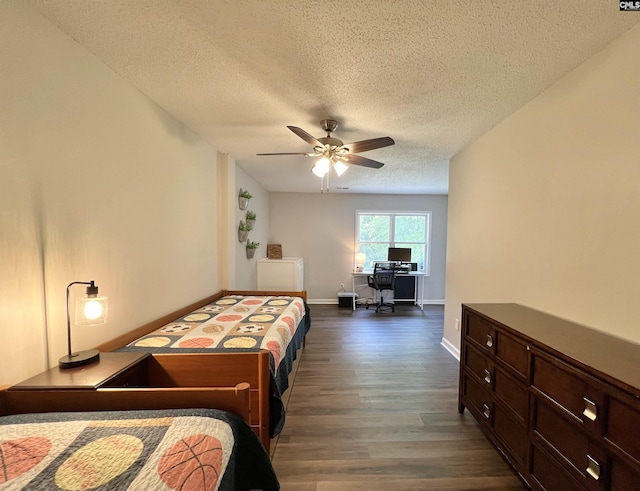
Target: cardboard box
{"points": [[274, 251]]}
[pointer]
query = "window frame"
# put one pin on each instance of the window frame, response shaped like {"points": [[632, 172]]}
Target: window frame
{"points": [[392, 214]]}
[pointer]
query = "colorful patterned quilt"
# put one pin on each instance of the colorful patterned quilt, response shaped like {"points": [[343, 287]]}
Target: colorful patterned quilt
{"points": [[193, 449], [239, 323]]}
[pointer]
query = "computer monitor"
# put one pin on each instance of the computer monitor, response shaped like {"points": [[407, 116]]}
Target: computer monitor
{"points": [[399, 254]]}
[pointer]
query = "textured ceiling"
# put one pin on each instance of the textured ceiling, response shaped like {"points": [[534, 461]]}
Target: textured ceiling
{"points": [[433, 75]]}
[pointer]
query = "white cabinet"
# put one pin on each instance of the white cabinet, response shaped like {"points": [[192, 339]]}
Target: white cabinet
{"points": [[284, 274]]}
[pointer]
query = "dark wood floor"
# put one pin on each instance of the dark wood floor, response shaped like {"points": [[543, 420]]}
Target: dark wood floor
{"points": [[374, 407]]}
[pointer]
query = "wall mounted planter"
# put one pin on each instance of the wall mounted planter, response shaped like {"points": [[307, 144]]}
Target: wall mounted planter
{"points": [[243, 199], [243, 231], [251, 248]]}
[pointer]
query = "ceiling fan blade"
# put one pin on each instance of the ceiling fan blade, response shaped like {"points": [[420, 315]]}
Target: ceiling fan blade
{"points": [[310, 139], [286, 153], [358, 160], [366, 145]]}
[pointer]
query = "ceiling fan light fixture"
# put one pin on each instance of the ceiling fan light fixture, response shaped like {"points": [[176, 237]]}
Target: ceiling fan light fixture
{"points": [[340, 167], [334, 153], [321, 167]]}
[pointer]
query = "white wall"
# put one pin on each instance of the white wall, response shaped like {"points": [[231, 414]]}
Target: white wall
{"points": [[544, 210], [96, 183], [320, 228]]}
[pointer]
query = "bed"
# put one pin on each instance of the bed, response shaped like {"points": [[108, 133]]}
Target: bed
{"points": [[227, 338], [129, 438]]}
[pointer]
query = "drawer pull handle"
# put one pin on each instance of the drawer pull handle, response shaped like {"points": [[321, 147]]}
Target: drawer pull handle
{"points": [[487, 411], [593, 468], [489, 341], [487, 376], [590, 409]]}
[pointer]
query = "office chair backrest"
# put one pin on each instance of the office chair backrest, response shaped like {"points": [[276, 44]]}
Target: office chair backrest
{"points": [[384, 276]]}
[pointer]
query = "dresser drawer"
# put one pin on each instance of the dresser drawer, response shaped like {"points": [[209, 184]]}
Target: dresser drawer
{"points": [[512, 353], [571, 389], [511, 432], [477, 400], [480, 332], [624, 477], [624, 416], [512, 393], [550, 475], [571, 445], [479, 365]]}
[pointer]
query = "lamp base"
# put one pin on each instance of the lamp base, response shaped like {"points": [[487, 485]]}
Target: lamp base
{"points": [[78, 359]]}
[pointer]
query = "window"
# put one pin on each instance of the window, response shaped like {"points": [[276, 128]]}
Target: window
{"points": [[376, 231]]}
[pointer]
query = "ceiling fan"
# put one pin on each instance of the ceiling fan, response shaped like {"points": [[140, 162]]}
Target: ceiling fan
{"points": [[333, 152]]}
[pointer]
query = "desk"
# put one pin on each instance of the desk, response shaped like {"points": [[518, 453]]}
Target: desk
{"points": [[359, 279]]}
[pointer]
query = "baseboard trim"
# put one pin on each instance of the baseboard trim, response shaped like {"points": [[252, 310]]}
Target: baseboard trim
{"points": [[450, 348], [334, 301]]}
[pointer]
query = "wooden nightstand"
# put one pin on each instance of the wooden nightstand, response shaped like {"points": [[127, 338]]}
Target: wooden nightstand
{"points": [[113, 369]]}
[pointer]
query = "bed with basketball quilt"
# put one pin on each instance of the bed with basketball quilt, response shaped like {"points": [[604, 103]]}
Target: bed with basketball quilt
{"points": [[138, 440]]}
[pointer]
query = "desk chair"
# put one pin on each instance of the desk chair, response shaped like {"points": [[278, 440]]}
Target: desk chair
{"points": [[383, 278]]}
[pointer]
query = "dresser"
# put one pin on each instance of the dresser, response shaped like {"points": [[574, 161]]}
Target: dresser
{"points": [[560, 401], [286, 274]]}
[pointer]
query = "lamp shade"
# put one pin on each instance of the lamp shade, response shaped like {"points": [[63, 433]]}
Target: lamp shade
{"points": [[91, 311], [321, 167], [340, 167]]}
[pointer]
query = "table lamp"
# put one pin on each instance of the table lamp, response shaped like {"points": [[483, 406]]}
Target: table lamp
{"points": [[90, 310], [361, 257]]}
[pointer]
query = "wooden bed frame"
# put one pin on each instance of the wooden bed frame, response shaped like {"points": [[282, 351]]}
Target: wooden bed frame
{"points": [[231, 399], [222, 369]]}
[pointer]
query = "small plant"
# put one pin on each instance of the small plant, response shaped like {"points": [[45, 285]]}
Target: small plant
{"points": [[251, 215], [245, 194], [252, 245]]}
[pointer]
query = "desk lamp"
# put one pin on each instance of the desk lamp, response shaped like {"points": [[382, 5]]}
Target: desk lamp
{"points": [[361, 257], [90, 311]]}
